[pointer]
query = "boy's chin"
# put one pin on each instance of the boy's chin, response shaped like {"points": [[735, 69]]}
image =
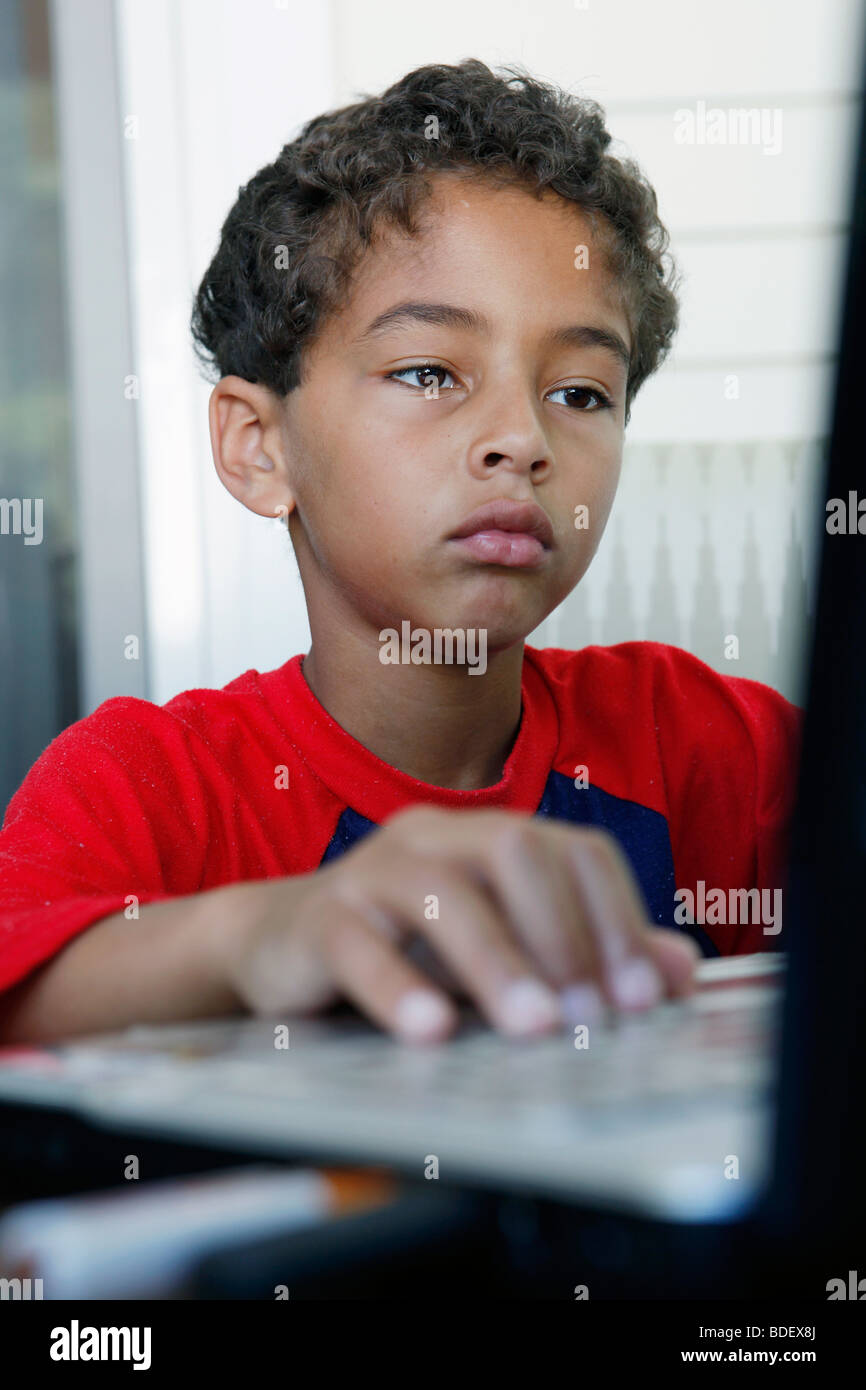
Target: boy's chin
{"points": [[505, 630], [506, 617], [508, 612], [502, 630]]}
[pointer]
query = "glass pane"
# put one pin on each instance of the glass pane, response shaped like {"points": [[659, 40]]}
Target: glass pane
{"points": [[38, 522]]}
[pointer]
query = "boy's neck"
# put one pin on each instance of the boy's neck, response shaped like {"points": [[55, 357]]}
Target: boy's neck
{"points": [[437, 723]]}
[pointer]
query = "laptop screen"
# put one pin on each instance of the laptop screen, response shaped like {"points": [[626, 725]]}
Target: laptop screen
{"points": [[818, 1158]]}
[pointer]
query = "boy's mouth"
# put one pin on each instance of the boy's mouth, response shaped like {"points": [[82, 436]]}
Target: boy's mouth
{"points": [[506, 532]]}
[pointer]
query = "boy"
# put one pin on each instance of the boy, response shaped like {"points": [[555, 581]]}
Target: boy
{"points": [[428, 320]]}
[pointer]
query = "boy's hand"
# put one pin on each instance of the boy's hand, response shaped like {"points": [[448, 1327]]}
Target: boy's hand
{"points": [[536, 921]]}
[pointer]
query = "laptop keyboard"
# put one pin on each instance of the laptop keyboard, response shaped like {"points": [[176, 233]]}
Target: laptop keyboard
{"points": [[718, 1043], [680, 1051]]}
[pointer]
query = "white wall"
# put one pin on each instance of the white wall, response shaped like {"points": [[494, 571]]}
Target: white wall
{"points": [[219, 85]]}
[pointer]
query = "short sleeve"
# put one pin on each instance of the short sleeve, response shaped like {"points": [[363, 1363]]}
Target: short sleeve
{"points": [[729, 751], [112, 813]]}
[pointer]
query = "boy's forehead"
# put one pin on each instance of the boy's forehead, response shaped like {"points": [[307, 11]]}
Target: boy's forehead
{"points": [[499, 247]]}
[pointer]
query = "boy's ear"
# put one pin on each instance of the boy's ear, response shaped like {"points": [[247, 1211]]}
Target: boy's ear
{"points": [[248, 446]]}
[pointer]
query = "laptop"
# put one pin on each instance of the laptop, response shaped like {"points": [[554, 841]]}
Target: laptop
{"points": [[736, 1103], [641, 1118]]}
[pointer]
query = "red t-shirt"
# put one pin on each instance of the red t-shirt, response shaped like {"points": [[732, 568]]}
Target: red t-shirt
{"points": [[694, 772]]}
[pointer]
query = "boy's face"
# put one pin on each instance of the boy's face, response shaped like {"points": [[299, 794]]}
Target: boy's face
{"points": [[385, 462]]}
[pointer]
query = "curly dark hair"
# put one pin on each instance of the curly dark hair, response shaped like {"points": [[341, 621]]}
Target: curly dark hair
{"points": [[290, 242]]}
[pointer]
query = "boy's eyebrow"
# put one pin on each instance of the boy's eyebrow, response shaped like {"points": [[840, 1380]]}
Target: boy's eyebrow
{"points": [[451, 316], [411, 311]]}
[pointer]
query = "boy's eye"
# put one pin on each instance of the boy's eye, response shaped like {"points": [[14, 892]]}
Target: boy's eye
{"points": [[428, 374], [579, 393]]}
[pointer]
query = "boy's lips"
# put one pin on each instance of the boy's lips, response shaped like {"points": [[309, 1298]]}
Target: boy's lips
{"points": [[506, 532]]}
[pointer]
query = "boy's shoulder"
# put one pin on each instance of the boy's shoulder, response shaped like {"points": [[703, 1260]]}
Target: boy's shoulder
{"points": [[252, 691], [630, 672], [654, 720], [132, 728], [639, 701]]}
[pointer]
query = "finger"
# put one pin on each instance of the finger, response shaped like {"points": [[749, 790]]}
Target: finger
{"points": [[633, 978], [528, 873], [673, 953], [608, 899], [471, 935], [677, 956], [606, 917], [372, 972]]}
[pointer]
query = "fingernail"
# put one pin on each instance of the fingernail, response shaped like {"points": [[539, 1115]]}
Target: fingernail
{"points": [[581, 1004], [636, 984], [527, 1005], [421, 1014]]}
